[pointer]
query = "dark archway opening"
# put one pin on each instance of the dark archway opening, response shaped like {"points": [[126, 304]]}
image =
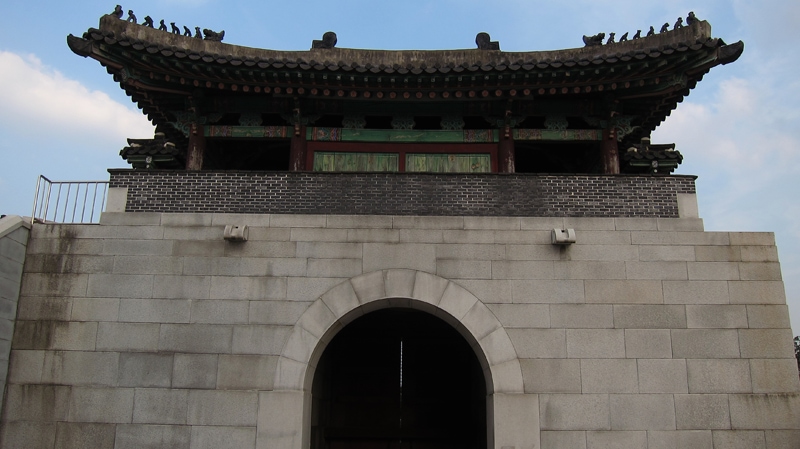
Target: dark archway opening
{"points": [[398, 379], [557, 157]]}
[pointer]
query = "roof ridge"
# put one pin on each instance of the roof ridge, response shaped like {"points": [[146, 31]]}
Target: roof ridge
{"points": [[140, 37]]}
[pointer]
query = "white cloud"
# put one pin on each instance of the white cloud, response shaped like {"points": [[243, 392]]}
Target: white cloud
{"points": [[36, 98], [55, 126], [735, 135], [743, 145], [771, 23]]}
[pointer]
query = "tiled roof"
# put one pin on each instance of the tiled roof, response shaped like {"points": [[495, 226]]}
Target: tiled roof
{"points": [[403, 62], [646, 77]]}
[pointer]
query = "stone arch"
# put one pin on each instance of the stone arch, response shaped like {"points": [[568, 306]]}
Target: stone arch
{"points": [[398, 288]]}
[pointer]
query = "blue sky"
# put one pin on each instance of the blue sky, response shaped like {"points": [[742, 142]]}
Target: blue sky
{"points": [[64, 117]]}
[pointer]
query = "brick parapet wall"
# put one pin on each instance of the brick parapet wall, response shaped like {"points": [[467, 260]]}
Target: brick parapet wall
{"points": [[403, 193]]}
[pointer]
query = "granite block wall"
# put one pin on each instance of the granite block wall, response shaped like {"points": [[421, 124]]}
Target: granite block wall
{"points": [[13, 241], [150, 330]]}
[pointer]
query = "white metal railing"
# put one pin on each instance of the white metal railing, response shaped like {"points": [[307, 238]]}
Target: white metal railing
{"points": [[68, 201]]}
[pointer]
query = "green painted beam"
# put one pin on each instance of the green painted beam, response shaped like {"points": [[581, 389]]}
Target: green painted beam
{"points": [[402, 135], [278, 132], [573, 135], [321, 134]]}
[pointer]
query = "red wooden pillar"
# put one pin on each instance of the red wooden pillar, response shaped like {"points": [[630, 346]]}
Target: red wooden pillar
{"points": [[609, 152], [197, 148], [297, 153], [505, 153]]}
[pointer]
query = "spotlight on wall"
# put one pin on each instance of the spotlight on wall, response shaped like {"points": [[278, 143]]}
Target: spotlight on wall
{"points": [[236, 233], [563, 236]]}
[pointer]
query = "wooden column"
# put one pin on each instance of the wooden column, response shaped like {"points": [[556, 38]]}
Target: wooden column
{"points": [[197, 148], [505, 154], [609, 152], [297, 153]]}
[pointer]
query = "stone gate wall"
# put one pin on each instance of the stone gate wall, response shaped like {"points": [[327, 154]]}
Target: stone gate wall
{"points": [[150, 330], [14, 233]]}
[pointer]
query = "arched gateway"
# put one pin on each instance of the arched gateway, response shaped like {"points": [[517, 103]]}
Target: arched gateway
{"points": [[285, 420], [398, 378]]}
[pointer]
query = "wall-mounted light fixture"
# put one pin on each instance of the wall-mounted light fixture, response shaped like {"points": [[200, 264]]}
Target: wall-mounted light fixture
{"points": [[563, 236], [236, 233]]}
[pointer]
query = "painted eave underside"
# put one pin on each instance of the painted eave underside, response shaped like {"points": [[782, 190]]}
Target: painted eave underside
{"points": [[647, 76]]}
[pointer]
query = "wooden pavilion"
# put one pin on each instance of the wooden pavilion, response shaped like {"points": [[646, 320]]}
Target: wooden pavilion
{"points": [[586, 110]]}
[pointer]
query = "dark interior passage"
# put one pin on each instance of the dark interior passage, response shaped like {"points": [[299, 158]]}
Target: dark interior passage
{"points": [[398, 378]]}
